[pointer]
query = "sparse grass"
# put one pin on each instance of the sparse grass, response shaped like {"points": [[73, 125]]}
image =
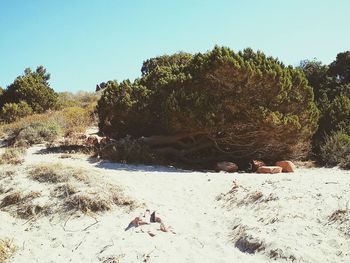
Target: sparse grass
{"points": [[7, 248], [22, 206], [337, 215], [7, 173], [12, 155], [55, 173], [97, 199], [28, 210], [64, 191]]}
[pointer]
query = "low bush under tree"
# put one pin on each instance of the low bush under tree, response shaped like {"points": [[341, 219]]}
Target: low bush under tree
{"points": [[336, 150], [13, 111]]}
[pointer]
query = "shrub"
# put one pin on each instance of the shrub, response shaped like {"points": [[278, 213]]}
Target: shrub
{"points": [[13, 111], [36, 128], [76, 119], [336, 149], [38, 132]]}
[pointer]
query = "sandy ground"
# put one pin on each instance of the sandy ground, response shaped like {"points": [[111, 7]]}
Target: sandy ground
{"points": [[214, 217]]}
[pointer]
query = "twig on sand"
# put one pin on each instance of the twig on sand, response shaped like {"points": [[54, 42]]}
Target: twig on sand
{"points": [[65, 223], [86, 228], [30, 219], [331, 183], [146, 257], [82, 230], [79, 244], [105, 247]]}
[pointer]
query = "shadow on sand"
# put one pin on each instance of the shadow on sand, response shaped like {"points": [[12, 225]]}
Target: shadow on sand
{"points": [[135, 168]]}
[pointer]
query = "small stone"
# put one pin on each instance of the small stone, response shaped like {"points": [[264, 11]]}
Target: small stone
{"points": [[287, 166], [256, 164], [226, 167], [269, 169]]}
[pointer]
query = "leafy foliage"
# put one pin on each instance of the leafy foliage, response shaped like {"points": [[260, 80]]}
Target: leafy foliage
{"points": [[331, 84], [220, 103], [32, 88]]}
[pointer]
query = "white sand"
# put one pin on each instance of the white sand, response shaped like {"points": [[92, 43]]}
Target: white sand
{"points": [[198, 207]]}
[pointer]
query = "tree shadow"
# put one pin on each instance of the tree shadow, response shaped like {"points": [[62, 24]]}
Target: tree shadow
{"points": [[104, 164]]}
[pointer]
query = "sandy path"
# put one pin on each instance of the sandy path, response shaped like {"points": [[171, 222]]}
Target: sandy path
{"points": [[185, 201]]}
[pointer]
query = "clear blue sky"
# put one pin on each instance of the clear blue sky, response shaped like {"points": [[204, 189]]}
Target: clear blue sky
{"points": [[85, 42]]}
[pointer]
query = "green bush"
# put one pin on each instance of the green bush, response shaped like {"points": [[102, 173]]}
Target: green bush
{"points": [[13, 111], [336, 150], [38, 132]]}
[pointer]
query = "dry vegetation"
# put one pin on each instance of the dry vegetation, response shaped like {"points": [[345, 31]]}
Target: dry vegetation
{"points": [[12, 155], [47, 127], [78, 192], [7, 248], [64, 190], [262, 211], [22, 206], [56, 173]]}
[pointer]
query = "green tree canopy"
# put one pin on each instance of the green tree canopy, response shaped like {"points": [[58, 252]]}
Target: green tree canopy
{"points": [[331, 84], [214, 105], [33, 88]]}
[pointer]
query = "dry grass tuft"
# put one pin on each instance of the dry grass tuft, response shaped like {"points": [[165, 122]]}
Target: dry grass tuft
{"points": [[11, 199], [7, 173], [56, 173], [24, 207], [98, 201], [249, 244], [338, 215], [7, 248], [256, 196], [86, 203], [29, 210], [13, 155]]}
